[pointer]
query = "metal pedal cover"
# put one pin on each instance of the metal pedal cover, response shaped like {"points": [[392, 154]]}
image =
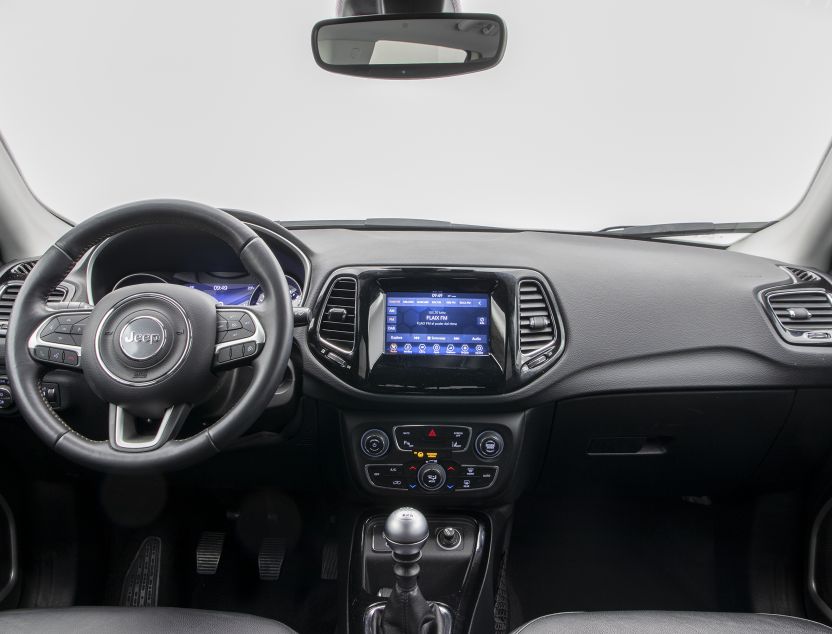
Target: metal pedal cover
{"points": [[141, 583], [270, 558], [208, 552], [329, 561]]}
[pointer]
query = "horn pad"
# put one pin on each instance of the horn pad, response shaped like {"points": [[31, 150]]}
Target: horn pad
{"points": [[150, 346]]}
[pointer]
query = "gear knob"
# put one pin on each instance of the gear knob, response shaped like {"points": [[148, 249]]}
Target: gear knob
{"points": [[406, 531]]}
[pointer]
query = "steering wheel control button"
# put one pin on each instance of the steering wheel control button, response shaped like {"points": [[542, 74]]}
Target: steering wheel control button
{"points": [[431, 477], [375, 443], [489, 445]]}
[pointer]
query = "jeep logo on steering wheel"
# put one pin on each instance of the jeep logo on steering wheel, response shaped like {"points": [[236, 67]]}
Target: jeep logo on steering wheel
{"points": [[142, 338]]}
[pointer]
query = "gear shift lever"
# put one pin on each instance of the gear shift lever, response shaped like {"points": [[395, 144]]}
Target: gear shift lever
{"points": [[407, 611]]}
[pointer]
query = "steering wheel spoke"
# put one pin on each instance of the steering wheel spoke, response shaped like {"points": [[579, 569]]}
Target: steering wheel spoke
{"points": [[240, 336], [58, 339], [132, 433]]}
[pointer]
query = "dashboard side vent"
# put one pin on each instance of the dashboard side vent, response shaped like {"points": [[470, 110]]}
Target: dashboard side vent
{"points": [[24, 268], [536, 320], [808, 310], [338, 316], [57, 295], [8, 294], [802, 276]]}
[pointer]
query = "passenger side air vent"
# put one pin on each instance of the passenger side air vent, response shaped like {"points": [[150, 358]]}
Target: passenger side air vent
{"points": [[537, 325], [338, 316], [802, 276], [804, 316]]}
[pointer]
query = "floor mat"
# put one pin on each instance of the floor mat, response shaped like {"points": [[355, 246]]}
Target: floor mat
{"points": [[593, 554]]}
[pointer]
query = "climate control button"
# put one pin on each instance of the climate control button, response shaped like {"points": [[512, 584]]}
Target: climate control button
{"points": [[375, 443], [431, 476], [489, 444]]}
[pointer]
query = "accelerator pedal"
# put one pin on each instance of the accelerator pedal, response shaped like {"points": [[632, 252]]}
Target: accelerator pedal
{"points": [[208, 552], [140, 588], [270, 558]]}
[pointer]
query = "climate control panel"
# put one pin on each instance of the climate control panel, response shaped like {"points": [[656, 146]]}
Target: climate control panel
{"points": [[432, 459]]}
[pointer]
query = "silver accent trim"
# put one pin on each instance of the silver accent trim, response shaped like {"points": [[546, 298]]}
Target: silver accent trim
{"points": [[35, 338], [188, 334], [259, 336], [385, 438], [120, 440], [467, 444], [557, 345], [331, 286]]}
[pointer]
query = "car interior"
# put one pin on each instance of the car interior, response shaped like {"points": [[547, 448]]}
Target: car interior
{"points": [[216, 421]]}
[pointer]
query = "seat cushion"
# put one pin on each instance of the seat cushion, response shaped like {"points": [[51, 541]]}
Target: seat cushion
{"points": [[135, 620], [664, 622]]}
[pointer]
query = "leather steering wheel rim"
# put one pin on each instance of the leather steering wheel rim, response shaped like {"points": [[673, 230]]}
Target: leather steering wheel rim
{"points": [[30, 311]]}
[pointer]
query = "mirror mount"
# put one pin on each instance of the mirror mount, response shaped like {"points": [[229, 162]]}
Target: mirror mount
{"points": [[352, 8], [410, 46]]}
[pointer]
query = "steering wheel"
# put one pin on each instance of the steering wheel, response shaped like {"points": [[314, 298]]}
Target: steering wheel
{"points": [[152, 351]]}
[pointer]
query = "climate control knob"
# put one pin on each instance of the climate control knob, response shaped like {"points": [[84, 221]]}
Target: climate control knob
{"points": [[431, 476], [375, 443], [489, 445]]}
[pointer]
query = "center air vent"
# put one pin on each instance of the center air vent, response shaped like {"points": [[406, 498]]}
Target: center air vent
{"points": [[337, 325], [536, 319], [805, 316]]}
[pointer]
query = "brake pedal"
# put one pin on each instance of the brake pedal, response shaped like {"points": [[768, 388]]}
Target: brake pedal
{"points": [[270, 558], [140, 588], [208, 552]]}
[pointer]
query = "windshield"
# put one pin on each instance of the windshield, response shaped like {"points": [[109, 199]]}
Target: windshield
{"points": [[601, 113]]}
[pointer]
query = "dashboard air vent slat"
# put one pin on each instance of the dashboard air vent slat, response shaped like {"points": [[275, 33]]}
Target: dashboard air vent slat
{"points": [[802, 275], [7, 297], [802, 310], [24, 268], [338, 317], [536, 320]]}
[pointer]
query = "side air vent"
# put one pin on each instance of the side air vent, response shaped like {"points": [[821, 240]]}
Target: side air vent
{"points": [[337, 325], [804, 316], [536, 319], [24, 268], [8, 294], [802, 275]]}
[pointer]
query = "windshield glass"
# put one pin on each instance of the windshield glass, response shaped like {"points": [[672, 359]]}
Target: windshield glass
{"points": [[601, 113]]}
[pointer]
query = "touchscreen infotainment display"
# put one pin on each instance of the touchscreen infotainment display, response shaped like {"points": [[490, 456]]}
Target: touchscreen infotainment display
{"points": [[437, 323]]}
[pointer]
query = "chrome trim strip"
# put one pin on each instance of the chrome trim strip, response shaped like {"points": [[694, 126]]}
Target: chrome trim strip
{"points": [[331, 286], [797, 336], [557, 345]]}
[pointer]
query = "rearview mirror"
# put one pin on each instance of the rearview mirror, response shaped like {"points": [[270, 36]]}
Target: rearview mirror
{"points": [[409, 47]]}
